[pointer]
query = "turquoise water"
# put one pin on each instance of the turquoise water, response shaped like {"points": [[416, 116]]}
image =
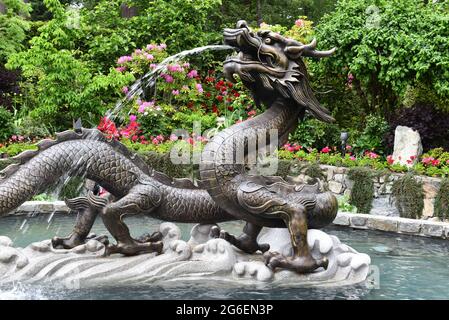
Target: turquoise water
{"points": [[409, 267]]}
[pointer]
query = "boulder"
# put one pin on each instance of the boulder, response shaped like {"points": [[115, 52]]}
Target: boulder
{"points": [[407, 146]]}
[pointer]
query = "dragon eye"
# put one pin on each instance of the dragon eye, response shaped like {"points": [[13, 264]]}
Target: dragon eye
{"points": [[267, 40]]}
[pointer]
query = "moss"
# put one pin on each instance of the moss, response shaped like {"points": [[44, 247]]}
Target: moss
{"points": [[441, 207], [408, 196], [363, 189]]}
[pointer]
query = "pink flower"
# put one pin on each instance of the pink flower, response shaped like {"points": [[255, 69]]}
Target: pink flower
{"points": [[199, 87], [162, 46], [371, 155], [173, 137], [138, 51], [160, 137], [299, 23], [149, 56], [143, 105], [168, 78], [192, 74], [436, 162], [153, 66], [132, 118], [326, 150], [124, 59], [155, 141], [120, 69], [150, 46], [175, 68], [352, 158], [175, 92], [186, 65], [125, 90], [252, 113], [427, 160]]}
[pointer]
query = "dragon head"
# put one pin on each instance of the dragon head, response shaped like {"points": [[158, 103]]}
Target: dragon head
{"points": [[271, 66]]}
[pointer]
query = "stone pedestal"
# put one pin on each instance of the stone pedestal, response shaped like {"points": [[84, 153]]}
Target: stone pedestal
{"points": [[201, 259]]}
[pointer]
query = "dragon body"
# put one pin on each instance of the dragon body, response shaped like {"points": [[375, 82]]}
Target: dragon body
{"points": [[272, 68]]}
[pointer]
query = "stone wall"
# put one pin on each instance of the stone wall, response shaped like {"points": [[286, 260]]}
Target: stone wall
{"points": [[339, 183]]}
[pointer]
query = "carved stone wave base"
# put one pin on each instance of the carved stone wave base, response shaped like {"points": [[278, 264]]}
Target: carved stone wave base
{"points": [[201, 258]]}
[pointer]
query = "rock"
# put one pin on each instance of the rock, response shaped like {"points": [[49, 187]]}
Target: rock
{"points": [[382, 224], [432, 229], [339, 177], [409, 226], [335, 187], [200, 233], [428, 208], [342, 219], [358, 221], [430, 191], [5, 241], [407, 144], [382, 207]]}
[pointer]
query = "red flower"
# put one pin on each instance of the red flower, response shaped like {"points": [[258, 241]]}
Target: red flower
{"points": [[220, 98], [390, 159], [326, 150], [230, 108], [236, 94]]}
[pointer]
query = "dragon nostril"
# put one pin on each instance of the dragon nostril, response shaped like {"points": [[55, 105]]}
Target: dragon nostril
{"points": [[242, 24]]}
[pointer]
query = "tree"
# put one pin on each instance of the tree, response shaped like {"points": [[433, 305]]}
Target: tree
{"points": [[386, 50], [13, 27]]}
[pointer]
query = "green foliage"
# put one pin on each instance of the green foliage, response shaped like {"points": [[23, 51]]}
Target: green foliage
{"points": [[314, 133], [13, 27], [373, 135], [6, 124], [387, 46], [273, 12], [14, 149], [344, 205], [441, 206], [408, 196], [362, 191]]}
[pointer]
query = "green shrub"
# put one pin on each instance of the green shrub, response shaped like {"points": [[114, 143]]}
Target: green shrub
{"points": [[408, 196], [314, 133], [442, 200], [362, 191], [6, 124]]}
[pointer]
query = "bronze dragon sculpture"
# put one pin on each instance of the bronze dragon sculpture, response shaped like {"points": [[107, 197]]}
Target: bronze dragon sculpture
{"points": [[272, 68]]}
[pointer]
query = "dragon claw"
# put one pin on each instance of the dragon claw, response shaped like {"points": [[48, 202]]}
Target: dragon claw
{"points": [[299, 264], [134, 249], [74, 240]]}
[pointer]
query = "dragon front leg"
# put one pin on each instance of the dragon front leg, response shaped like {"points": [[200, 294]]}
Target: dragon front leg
{"points": [[295, 218]]}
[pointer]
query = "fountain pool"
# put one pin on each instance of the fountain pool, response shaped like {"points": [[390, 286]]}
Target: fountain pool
{"points": [[409, 267]]}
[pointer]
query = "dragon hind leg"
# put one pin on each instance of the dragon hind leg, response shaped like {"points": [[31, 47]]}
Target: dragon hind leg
{"points": [[138, 200], [85, 219], [278, 204]]}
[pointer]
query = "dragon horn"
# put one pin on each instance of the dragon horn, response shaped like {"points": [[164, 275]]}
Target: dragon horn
{"points": [[308, 50]]}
